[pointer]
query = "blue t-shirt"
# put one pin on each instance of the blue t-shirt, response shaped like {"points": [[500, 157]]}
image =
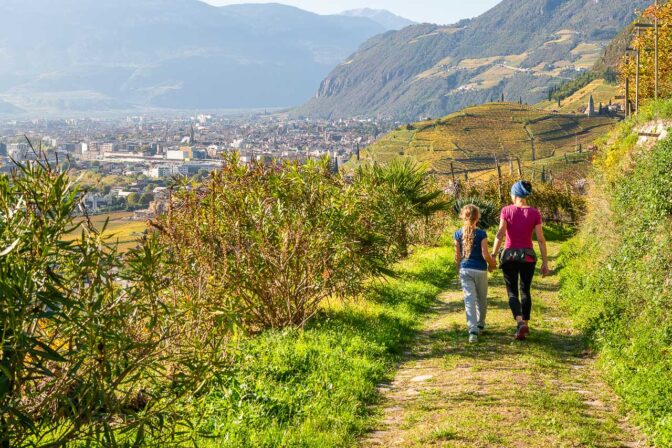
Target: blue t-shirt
{"points": [[475, 260]]}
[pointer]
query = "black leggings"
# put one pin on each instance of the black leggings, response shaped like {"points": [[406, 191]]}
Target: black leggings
{"points": [[513, 271]]}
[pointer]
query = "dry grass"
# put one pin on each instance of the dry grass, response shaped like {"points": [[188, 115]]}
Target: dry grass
{"points": [[601, 91], [120, 229]]}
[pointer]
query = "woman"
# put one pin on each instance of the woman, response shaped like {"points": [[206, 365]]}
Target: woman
{"points": [[474, 261], [518, 260]]}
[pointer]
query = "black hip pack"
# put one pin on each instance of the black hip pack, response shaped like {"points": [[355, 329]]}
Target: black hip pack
{"points": [[517, 255]]}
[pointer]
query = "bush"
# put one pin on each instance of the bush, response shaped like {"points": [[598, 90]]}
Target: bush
{"points": [[489, 211], [262, 246], [82, 358], [403, 199], [557, 204], [105, 349]]}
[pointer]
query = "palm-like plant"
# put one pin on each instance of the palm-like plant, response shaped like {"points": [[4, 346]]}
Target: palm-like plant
{"points": [[406, 195]]}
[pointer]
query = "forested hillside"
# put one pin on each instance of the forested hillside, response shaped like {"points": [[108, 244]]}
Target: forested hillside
{"points": [[519, 48]]}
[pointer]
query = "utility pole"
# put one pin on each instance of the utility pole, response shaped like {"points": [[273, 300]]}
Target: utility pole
{"points": [[628, 108], [637, 73], [627, 96], [655, 25], [638, 51]]}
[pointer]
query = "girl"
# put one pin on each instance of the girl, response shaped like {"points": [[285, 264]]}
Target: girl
{"points": [[518, 260], [474, 261]]}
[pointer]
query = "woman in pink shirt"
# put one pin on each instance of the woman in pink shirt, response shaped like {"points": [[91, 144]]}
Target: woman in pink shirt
{"points": [[518, 259]]}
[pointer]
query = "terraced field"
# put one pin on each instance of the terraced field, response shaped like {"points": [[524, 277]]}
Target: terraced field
{"points": [[602, 92], [470, 140]]}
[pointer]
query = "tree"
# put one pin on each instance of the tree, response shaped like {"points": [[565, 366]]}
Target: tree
{"points": [[146, 199], [132, 200], [644, 42]]}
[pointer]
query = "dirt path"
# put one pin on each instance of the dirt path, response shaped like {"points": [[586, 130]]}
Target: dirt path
{"points": [[544, 392]]}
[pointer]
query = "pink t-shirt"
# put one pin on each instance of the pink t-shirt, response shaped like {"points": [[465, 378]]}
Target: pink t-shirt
{"points": [[521, 222]]}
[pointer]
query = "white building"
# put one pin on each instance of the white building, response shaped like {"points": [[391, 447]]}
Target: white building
{"points": [[176, 155], [163, 171]]}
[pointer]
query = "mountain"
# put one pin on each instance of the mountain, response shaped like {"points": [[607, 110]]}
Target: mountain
{"points": [[106, 55], [518, 48], [385, 18], [8, 108]]}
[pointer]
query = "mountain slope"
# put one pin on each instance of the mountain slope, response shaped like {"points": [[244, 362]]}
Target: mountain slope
{"points": [[385, 18], [167, 53], [472, 138], [518, 48]]}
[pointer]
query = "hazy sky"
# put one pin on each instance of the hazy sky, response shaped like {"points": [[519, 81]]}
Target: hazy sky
{"points": [[434, 11]]}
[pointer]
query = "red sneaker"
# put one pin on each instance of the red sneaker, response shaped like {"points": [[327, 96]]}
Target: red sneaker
{"points": [[522, 331]]}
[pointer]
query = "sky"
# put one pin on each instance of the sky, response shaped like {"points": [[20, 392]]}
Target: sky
{"points": [[434, 11]]}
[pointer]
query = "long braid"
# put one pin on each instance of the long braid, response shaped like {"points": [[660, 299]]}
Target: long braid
{"points": [[470, 214]]}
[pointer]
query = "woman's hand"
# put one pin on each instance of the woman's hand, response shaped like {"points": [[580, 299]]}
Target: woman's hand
{"points": [[544, 269]]}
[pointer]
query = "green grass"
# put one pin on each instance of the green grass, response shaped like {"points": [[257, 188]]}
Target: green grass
{"points": [[314, 387]]}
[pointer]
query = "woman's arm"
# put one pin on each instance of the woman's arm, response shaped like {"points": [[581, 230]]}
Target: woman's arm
{"points": [[492, 263], [541, 239], [499, 238], [458, 254]]}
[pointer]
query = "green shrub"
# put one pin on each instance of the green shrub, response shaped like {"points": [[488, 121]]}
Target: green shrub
{"points": [[82, 358], [560, 204], [402, 198], [262, 246], [146, 348], [489, 210]]}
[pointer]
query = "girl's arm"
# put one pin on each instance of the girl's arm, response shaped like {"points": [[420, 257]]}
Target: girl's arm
{"points": [[492, 263], [458, 254], [541, 239], [499, 238]]}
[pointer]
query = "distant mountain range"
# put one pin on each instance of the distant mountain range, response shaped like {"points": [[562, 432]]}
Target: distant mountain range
{"points": [[517, 49], [102, 55], [385, 18]]}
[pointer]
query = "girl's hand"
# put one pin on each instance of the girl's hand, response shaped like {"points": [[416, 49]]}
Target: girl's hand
{"points": [[544, 269]]}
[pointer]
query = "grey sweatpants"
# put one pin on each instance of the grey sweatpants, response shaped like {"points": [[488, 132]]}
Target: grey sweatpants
{"points": [[475, 287]]}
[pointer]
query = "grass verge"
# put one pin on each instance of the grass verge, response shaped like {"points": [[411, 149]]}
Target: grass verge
{"points": [[616, 277], [314, 387]]}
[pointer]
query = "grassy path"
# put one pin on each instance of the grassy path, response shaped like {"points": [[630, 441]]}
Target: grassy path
{"points": [[544, 392]]}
